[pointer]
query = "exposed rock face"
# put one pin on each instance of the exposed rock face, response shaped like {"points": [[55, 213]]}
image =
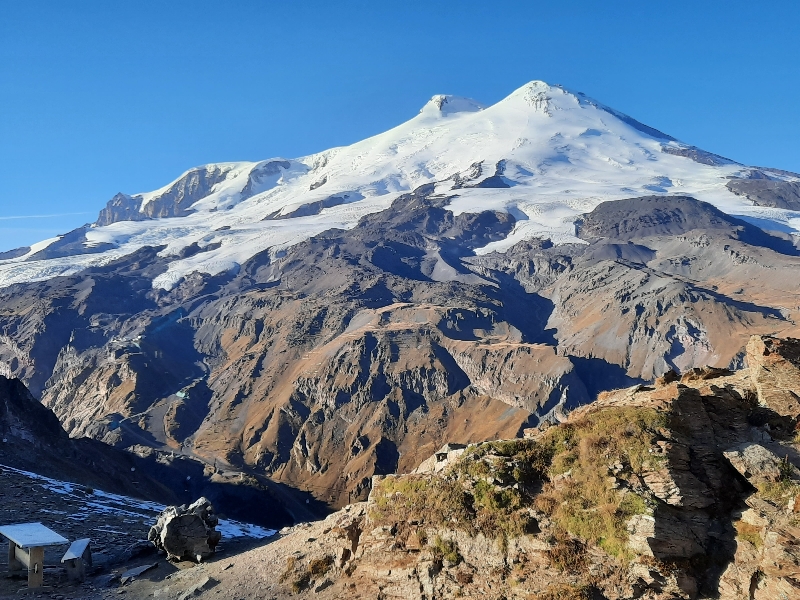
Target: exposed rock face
{"points": [[15, 253], [767, 192], [638, 218], [259, 175], [755, 463], [31, 438], [186, 532], [175, 201], [23, 417], [775, 371], [121, 207], [652, 313], [696, 154], [70, 244], [689, 507], [361, 352]]}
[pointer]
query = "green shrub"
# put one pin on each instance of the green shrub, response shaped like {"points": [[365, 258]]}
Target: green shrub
{"points": [[446, 550]]}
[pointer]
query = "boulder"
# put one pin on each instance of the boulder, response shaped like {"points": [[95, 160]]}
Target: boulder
{"points": [[186, 532], [756, 463], [775, 372]]}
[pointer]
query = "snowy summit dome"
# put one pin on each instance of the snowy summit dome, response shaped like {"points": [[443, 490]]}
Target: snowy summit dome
{"points": [[445, 105], [543, 154]]}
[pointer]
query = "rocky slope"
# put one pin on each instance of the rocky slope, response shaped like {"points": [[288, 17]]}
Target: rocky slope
{"points": [[360, 352], [33, 440], [686, 488]]}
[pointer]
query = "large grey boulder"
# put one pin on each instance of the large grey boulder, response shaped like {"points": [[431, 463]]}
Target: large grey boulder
{"points": [[186, 532], [758, 464]]}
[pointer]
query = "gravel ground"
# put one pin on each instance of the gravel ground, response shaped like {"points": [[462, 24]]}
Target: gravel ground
{"points": [[118, 528]]}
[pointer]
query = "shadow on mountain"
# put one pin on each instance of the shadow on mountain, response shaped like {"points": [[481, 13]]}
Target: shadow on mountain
{"points": [[527, 312], [742, 305], [756, 236], [599, 375]]}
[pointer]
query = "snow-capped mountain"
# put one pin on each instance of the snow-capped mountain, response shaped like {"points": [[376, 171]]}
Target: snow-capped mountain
{"points": [[462, 276], [544, 155]]}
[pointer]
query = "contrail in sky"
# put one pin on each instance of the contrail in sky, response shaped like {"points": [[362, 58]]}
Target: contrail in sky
{"points": [[43, 216]]}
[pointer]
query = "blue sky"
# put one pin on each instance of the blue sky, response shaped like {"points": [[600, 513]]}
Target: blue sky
{"points": [[98, 97]]}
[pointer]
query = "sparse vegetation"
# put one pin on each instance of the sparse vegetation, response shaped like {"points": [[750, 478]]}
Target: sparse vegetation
{"points": [[564, 473], [319, 566], [300, 576], [301, 583], [779, 492], [583, 500], [749, 533], [782, 491], [431, 500], [455, 501], [291, 565], [446, 550], [464, 577], [566, 553]]}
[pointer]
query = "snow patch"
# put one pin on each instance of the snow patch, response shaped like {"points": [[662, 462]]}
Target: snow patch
{"points": [[100, 502]]}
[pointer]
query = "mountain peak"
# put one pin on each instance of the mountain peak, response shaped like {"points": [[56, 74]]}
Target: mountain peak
{"points": [[544, 98], [444, 105], [537, 85]]}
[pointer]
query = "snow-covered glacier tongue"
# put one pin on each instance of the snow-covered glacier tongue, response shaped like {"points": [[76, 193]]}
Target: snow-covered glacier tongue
{"points": [[543, 154]]}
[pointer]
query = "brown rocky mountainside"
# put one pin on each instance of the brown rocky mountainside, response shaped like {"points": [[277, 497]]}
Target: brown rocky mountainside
{"points": [[361, 352], [32, 439], [686, 488]]}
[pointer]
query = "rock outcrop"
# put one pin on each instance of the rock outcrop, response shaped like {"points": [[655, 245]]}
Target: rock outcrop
{"points": [[186, 532], [775, 372], [682, 489]]}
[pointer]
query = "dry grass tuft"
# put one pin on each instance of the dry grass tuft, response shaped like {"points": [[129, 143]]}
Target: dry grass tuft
{"points": [[749, 533], [291, 565], [565, 592], [319, 566], [567, 554], [563, 474]]}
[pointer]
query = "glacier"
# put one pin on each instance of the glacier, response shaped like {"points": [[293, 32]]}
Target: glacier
{"points": [[543, 154]]}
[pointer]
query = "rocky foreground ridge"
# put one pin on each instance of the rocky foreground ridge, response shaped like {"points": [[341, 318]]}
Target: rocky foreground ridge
{"points": [[686, 488]]}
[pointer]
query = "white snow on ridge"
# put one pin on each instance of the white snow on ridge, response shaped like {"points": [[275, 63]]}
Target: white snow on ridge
{"points": [[560, 153]]}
